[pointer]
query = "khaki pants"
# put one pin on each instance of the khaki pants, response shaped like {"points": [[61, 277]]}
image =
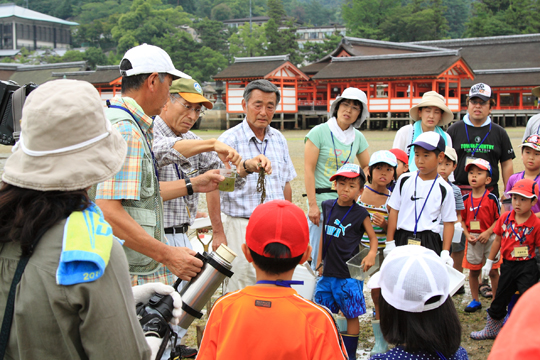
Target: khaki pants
{"points": [[244, 272]]}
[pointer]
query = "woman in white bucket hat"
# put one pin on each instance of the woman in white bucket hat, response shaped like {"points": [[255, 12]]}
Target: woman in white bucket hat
{"points": [[69, 275], [328, 147], [430, 114]]}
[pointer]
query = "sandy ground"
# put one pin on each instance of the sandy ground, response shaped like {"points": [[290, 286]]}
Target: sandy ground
{"points": [[378, 140]]}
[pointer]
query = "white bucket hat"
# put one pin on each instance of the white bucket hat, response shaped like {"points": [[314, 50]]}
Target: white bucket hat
{"points": [[411, 275], [353, 93], [433, 98], [536, 91], [66, 141]]}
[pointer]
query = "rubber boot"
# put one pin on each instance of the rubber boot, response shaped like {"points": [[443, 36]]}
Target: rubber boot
{"points": [[381, 346], [490, 331], [351, 343]]}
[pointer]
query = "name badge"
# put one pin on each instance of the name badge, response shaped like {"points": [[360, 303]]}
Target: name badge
{"points": [[474, 225], [469, 160], [520, 252], [333, 187], [413, 241]]}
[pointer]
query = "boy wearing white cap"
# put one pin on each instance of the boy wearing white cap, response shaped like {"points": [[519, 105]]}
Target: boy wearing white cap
{"points": [[420, 198]]}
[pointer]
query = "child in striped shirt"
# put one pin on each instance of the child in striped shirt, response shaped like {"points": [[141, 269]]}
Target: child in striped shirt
{"points": [[382, 171]]}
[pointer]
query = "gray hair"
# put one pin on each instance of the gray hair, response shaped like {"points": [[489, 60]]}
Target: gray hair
{"points": [[263, 85]]}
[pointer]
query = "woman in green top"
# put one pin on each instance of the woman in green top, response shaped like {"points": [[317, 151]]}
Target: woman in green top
{"points": [[328, 147]]}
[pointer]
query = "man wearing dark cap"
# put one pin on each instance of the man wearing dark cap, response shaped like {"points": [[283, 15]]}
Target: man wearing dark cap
{"points": [[478, 137], [132, 200]]}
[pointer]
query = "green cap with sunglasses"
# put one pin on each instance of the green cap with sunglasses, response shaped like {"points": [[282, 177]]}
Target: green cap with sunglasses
{"points": [[191, 91]]}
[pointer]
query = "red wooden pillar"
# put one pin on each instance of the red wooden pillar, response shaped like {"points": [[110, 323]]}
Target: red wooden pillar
{"points": [[328, 96]]}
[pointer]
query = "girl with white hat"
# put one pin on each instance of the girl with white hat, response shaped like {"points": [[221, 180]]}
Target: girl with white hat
{"points": [[328, 147], [64, 277], [430, 114]]}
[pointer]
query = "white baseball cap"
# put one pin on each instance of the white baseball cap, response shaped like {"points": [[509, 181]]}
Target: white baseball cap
{"points": [[450, 153], [383, 156], [411, 275], [480, 90], [146, 59]]}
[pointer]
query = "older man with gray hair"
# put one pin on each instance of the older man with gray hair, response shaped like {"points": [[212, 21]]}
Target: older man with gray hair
{"points": [[262, 147]]}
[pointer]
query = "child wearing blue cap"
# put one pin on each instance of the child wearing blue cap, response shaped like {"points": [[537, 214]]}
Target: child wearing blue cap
{"points": [[420, 199]]}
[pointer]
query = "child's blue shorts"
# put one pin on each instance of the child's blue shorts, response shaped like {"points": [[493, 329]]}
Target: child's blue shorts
{"points": [[341, 294]]}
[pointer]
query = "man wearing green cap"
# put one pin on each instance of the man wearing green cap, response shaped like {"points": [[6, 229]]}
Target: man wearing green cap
{"points": [[180, 154]]}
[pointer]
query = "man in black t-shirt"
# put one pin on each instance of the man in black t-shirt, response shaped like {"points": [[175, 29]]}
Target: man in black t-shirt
{"points": [[477, 136]]}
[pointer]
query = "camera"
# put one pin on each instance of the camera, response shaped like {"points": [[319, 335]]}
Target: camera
{"points": [[12, 98]]}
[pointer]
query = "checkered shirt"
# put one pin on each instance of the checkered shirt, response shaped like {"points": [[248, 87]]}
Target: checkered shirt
{"points": [[126, 184], [173, 166], [242, 202]]}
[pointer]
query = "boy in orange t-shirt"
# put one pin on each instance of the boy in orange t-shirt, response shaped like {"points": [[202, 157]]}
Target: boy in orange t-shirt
{"points": [[270, 320]]}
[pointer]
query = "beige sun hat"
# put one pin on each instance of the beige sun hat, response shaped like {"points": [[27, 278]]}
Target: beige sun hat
{"points": [[536, 91], [433, 98], [66, 141]]}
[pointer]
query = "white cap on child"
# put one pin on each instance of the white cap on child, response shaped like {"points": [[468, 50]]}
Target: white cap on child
{"points": [[411, 275]]}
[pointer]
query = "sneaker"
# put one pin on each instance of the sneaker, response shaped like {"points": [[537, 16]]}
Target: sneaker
{"points": [[187, 352], [473, 306]]}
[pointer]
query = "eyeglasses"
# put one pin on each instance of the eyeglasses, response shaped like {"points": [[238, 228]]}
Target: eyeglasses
{"points": [[478, 102], [197, 112], [349, 106]]}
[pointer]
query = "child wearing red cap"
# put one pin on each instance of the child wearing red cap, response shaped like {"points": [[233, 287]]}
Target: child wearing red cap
{"points": [[518, 235], [345, 221], [402, 165], [479, 217], [270, 320]]}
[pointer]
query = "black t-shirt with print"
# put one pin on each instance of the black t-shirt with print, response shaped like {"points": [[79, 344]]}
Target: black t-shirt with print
{"points": [[496, 149], [346, 242]]}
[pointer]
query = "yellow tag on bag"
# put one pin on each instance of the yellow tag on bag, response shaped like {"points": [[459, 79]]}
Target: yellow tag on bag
{"points": [[413, 241]]}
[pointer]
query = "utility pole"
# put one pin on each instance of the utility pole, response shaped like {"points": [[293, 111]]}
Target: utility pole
{"points": [[250, 27]]}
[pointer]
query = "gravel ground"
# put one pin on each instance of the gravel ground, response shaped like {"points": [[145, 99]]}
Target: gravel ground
{"points": [[378, 140]]}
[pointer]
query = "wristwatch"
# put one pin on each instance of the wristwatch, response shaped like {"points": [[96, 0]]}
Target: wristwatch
{"points": [[189, 186]]}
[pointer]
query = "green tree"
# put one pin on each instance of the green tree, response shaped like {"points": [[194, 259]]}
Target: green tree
{"points": [[313, 51], [363, 18], [221, 12], [147, 22], [457, 14], [245, 43], [95, 56], [276, 10], [213, 34], [417, 21]]}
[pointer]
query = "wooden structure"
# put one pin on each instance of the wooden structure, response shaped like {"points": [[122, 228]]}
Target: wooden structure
{"points": [[107, 79], [277, 69]]}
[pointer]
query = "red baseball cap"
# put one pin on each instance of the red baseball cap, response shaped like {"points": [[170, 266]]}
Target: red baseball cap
{"points": [[350, 171], [278, 221], [400, 155], [525, 187]]}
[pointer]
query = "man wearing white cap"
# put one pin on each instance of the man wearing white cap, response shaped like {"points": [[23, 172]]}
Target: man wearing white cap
{"points": [[533, 125], [132, 200], [478, 137]]}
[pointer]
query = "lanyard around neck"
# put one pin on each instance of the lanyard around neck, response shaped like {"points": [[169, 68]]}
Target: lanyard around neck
{"points": [[523, 175], [335, 152], [479, 204], [417, 217], [259, 150], [376, 192], [522, 238], [154, 162], [477, 146], [283, 283], [325, 249]]}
